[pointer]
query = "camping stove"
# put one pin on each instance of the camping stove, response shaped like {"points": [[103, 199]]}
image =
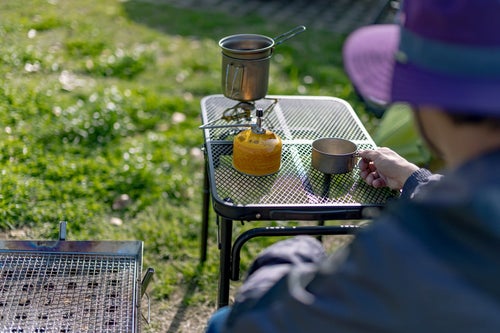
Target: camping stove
{"points": [[240, 115], [71, 286]]}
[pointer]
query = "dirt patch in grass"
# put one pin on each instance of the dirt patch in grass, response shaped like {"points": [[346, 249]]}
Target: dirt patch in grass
{"points": [[175, 316]]}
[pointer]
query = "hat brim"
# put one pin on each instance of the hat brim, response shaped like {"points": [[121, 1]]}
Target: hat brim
{"points": [[368, 55], [369, 61]]}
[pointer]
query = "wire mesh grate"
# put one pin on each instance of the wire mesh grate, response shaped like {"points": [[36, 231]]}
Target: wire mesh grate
{"points": [[297, 182], [55, 292], [298, 121]]}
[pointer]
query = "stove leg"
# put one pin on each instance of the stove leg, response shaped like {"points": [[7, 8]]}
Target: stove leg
{"points": [[226, 231]]}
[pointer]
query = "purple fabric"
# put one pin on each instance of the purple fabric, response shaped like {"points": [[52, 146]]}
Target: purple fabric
{"points": [[419, 87], [473, 22], [384, 74], [370, 66]]}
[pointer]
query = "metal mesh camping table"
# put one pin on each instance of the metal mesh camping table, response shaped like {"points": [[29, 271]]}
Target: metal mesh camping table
{"points": [[297, 191]]}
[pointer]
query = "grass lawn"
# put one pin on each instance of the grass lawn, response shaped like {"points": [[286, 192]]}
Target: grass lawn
{"points": [[99, 116]]}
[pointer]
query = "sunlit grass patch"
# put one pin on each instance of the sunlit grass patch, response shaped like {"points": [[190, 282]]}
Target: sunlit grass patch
{"points": [[99, 116]]}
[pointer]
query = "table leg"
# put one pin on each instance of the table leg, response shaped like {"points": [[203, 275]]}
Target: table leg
{"points": [[226, 232], [205, 216], [284, 231], [321, 223]]}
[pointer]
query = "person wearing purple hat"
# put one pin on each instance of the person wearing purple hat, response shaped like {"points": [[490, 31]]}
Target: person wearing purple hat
{"points": [[430, 262]]}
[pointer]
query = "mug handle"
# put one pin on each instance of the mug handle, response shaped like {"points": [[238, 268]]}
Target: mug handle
{"points": [[234, 80]]}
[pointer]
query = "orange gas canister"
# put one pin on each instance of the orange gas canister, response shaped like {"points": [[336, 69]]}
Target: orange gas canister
{"points": [[257, 151]]}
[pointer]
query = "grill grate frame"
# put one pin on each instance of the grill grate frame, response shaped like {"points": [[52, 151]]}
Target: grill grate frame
{"points": [[52, 288]]}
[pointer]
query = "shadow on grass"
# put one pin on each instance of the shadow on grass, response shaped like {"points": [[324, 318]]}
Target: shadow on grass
{"points": [[314, 54], [339, 17], [190, 22], [180, 314]]}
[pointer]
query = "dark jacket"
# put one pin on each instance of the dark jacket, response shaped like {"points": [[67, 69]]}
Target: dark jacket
{"points": [[430, 263]]}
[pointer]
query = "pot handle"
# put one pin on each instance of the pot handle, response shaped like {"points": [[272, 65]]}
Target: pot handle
{"points": [[234, 80], [289, 34]]}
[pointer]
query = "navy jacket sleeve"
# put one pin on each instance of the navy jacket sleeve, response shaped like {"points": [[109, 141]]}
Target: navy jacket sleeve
{"points": [[418, 179]]}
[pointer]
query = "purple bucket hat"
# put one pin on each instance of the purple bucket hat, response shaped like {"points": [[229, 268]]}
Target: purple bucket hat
{"points": [[443, 53]]}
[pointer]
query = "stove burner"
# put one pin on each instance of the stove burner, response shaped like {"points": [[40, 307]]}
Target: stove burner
{"points": [[242, 110], [240, 114]]}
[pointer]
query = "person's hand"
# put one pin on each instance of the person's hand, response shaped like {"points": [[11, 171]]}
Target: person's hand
{"points": [[384, 167]]}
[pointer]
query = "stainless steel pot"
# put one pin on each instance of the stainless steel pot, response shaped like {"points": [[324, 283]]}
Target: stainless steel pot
{"points": [[245, 64], [333, 155], [245, 79]]}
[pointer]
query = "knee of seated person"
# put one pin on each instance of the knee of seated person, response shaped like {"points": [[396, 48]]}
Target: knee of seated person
{"points": [[218, 319]]}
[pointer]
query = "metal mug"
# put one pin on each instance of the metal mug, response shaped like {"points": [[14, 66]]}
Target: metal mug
{"points": [[333, 155], [245, 66], [245, 63]]}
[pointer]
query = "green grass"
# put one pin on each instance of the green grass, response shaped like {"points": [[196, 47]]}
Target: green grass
{"points": [[100, 98]]}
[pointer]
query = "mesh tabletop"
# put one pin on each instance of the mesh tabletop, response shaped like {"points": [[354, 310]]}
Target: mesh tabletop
{"points": [[297, 186]]}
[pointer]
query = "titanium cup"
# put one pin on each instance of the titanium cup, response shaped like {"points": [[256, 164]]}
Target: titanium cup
{"points": [[333, 155]]}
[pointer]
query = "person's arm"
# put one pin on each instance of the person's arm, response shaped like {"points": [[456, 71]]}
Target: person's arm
{"points": [[416, 180], [385, 168]]}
